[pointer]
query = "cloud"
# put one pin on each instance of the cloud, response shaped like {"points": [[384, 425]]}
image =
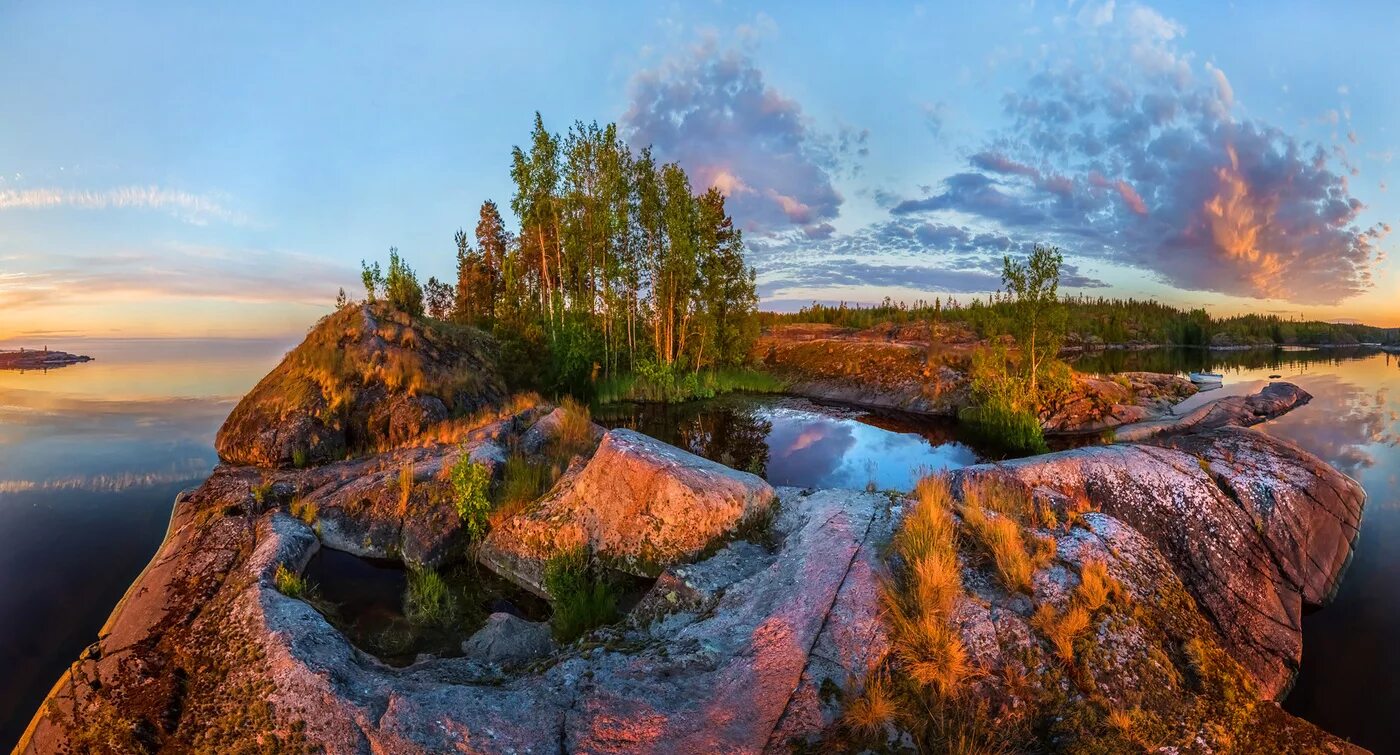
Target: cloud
{"points": [[1148, 165], [900, 253], [194, 208], [200, 273], [711, 110]]}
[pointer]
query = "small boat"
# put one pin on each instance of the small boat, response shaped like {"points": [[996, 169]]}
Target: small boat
{"points": [[1275, 377], [1206, 377]]}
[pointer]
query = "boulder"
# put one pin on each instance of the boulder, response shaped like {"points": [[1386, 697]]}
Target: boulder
{"points": [[545, 432], [365, 378], [1274, 400], [509, 640], [1255, 527], [639, 505]]}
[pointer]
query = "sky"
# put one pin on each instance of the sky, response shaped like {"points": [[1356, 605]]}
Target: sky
{"points": [[201, 169]]}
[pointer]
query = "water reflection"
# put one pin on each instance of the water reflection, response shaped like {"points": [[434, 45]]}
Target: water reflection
{"points": [[796, 442], [91, 458], [1350, 659]]}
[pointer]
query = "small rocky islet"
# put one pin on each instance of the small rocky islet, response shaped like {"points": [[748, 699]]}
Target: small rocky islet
{"points": [[39, 359], [763, 618]]}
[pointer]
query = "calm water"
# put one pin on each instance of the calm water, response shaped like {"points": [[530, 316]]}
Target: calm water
{"points": [[91, 457], [1351, 652], [793, 441]]}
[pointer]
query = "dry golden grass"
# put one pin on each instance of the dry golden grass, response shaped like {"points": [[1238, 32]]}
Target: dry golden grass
{"points": [[874, 708], [1096, 587], [575, 431], [1061, 629], [935, 582], [931, 652], [927, 649], [1001, 537], [456, 430], [405, 486]]}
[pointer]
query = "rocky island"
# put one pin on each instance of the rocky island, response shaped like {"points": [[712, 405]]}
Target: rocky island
{"points": [[39, 359], [1141, 595]]}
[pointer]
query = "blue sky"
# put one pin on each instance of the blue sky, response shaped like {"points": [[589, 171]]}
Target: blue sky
{"points": [[173, 170]]}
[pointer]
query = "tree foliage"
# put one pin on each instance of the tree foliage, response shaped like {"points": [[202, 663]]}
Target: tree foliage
{"points": [[618, 263]]}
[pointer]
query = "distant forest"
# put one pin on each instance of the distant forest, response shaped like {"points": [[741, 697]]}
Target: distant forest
{"points": [[1102, 319]]}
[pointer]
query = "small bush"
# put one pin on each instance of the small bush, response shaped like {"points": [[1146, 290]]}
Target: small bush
{"points": [[583, 599], [470, 483], [299, 458], [262, 492], [428, 600], [289, 582]]}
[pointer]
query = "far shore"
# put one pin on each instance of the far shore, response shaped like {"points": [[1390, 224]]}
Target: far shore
{"points": [[39, 359]]}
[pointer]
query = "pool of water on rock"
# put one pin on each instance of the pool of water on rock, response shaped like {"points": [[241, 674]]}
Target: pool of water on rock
{"points": [[364, 599], [797, 442]]}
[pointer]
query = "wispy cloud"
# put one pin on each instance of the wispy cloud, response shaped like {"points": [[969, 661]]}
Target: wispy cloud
{"points": [[172, 271], [193, 208]]}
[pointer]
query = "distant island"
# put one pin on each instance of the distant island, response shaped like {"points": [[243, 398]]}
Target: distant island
{"points": [[39, 359]]}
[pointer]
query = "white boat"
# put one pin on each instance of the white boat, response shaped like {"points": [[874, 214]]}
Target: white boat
{"points": [[1206, 377]]}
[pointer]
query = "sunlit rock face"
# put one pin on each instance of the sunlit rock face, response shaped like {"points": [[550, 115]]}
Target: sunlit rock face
{"points": [[1255, 527], [365, 378], [638, 504]]}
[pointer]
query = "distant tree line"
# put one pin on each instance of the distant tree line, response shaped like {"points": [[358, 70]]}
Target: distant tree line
{"points": [[618, 267], [1109, 320]]}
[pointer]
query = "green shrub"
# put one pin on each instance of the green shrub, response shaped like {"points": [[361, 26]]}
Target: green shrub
{"points": [[655, 383], [470, 483], [290, 583], [583, 599], [1016, 431], [299, 457], [428, 599]]}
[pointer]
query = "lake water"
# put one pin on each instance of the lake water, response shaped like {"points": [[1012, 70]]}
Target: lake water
{"points": [[91, 457]]}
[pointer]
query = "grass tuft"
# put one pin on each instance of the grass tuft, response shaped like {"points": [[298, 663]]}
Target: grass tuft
{"points": [[290, 583], [1001, 537], [1061, 629], [428, 599], [583, 599], [876, 707], [405, 487]]}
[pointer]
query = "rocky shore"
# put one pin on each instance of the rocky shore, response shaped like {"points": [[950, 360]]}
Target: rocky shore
{"points": [[39, 359], [762, 617], [906, 368]]}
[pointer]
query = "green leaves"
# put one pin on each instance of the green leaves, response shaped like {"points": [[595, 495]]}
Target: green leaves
{"points": [[471, 482]]}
